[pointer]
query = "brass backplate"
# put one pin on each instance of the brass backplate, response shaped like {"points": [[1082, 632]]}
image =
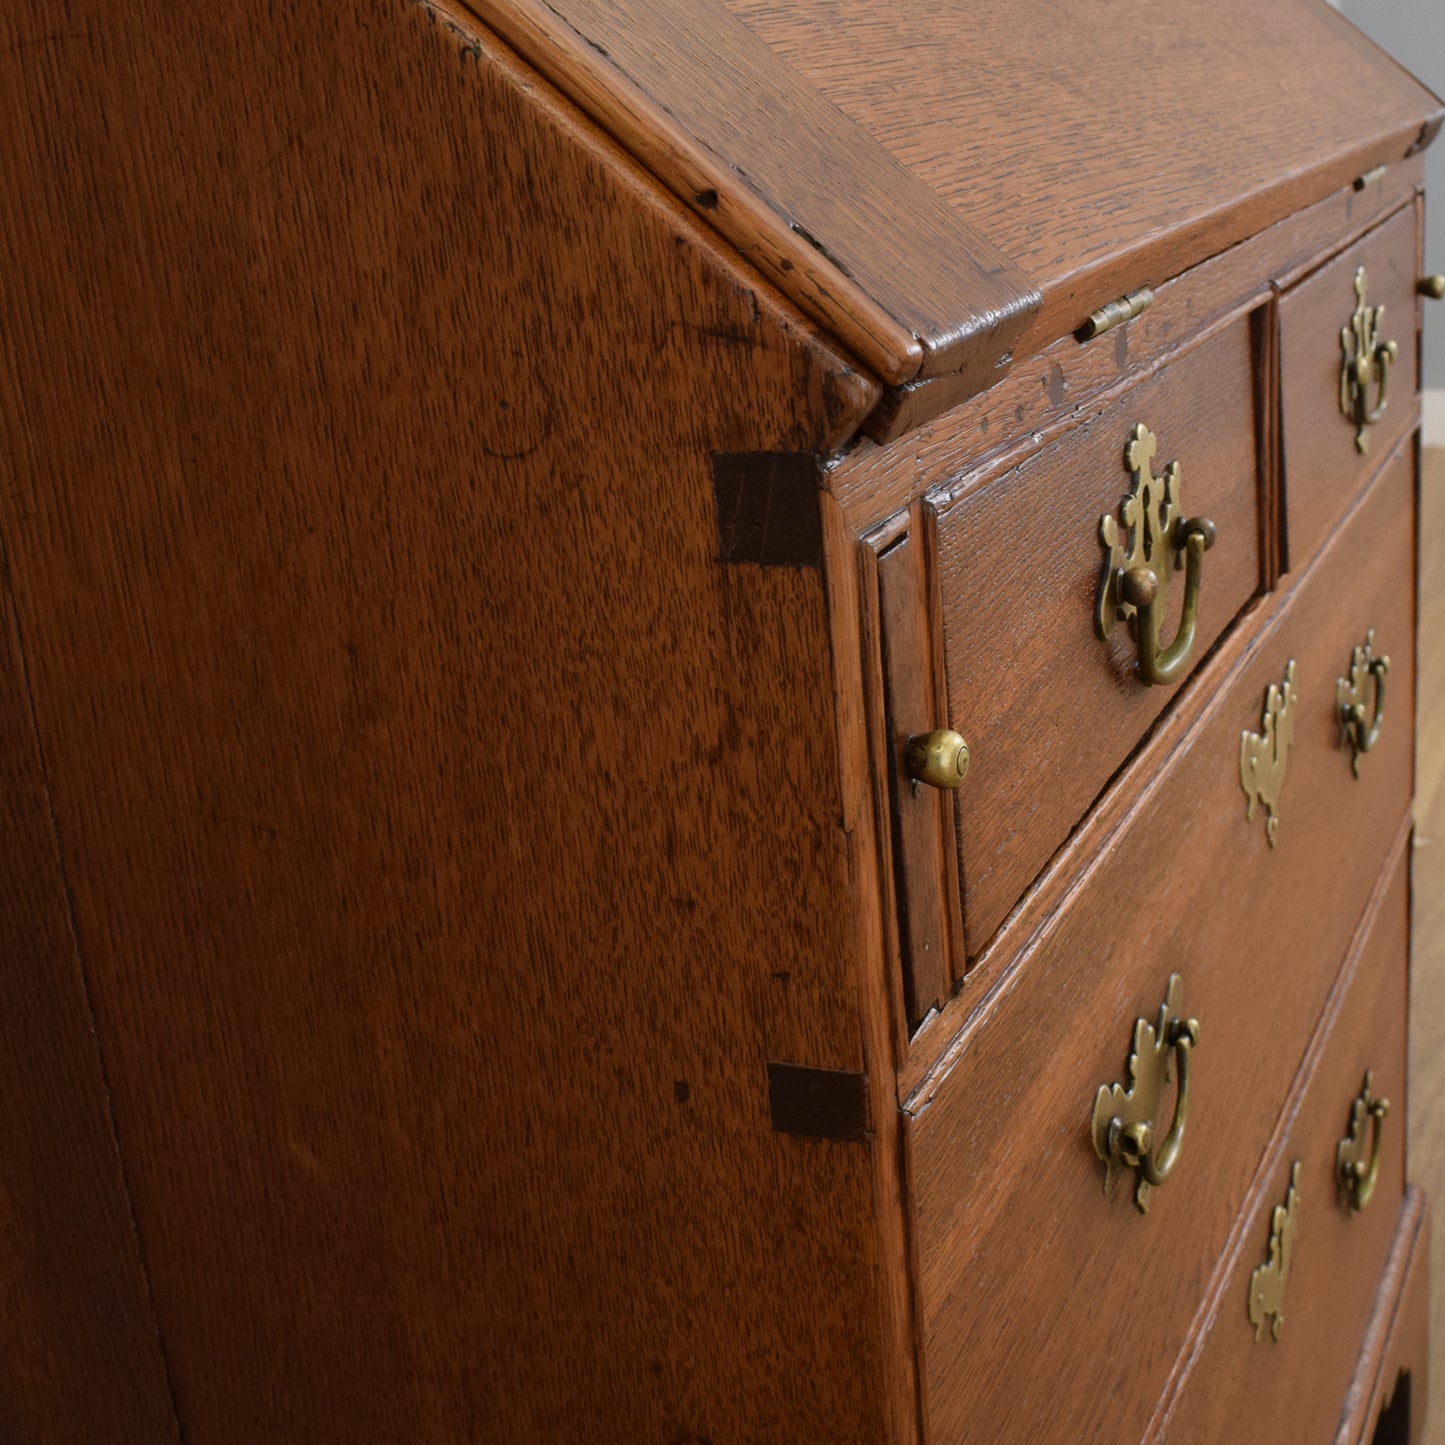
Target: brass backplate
{"points": [[1266, 1284], [1145, 534], [1364, 365], [1263, 755]]}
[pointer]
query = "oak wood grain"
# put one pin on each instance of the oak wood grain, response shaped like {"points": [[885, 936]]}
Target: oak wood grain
{"points": [[813, 200], [1000, 1152], [1322, 469], [1264, 1389], [1114, 155], [1020, 562], [925, 859], [454, 839], [1047, 393], [1397, 1354], [80, 1358]]}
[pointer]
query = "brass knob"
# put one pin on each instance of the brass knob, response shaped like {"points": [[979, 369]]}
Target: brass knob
{"points": [[939, 758], [1432, 287]]}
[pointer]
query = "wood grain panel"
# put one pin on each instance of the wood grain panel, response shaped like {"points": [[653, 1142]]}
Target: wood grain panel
{"points": [[1213, 286], [1000, 1149], [455, 840], [1119, 151], [79, 1355], [1049, 711], [812, 199], [1393, 1373], [925, 860], [1244, 1388], [1051, 391], [1323, 469]]}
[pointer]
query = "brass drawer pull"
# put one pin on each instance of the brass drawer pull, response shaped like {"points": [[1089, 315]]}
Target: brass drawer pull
{"points": [[1263, 755], [1431, 287], [939, 759], [1137, 570], [1366, 364], [1266, 1284], [1356, 1176], [1366, 669], [1125, 1120]]}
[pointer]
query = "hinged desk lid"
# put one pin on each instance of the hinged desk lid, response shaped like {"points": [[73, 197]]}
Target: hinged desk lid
{"points": [[938, 182]]}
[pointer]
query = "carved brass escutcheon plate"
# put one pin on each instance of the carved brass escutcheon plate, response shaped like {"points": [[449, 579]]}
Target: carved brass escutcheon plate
{"points": [[1354, 1169], [1143, 547], [1365, 365], [1126, 1121], [1262, 755], [1367, 674], [1266, 1284]]}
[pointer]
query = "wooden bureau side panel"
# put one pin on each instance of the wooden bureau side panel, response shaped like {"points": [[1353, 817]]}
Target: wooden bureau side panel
{"points": [[79, 1356], [1243, 1388], [1323, 470], [1049, 711], [455, 839], [1029, 1272]]}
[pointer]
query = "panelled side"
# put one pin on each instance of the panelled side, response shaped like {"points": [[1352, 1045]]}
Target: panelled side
{"points": [[452, 789]]}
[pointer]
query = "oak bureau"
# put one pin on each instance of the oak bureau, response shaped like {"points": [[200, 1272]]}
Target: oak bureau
{"points": [[707, 722]]}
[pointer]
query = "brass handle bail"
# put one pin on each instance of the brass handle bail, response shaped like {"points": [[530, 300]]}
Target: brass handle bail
{"points": [[1367, 671], [1365, 365], [1356, 1175], [1141, 590], [1141, 547], [1125, 1123]]}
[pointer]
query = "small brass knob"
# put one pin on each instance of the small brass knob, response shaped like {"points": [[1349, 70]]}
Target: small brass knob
{"points": [[1432, 286], [939, 758]]}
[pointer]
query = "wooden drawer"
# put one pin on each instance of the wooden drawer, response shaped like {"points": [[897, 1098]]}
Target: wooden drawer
{"points": [[1387, 1397], [1049, 710], [1323, 466], [1013, 1226], [1247, 1383]]}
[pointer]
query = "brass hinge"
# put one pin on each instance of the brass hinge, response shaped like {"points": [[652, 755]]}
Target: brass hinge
{"points": [[1106, 318]]}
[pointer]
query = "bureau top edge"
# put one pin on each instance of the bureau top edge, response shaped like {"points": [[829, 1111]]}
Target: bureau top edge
{"points": [[927, 183]]}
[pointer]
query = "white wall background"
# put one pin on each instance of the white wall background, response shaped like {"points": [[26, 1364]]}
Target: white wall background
{"points": [[1413, 31]]}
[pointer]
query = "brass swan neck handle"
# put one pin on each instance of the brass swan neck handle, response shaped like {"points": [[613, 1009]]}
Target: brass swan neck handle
{"points": [[1126, 1122], [1141, 546]]}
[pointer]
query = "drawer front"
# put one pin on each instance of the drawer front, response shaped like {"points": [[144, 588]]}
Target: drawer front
{"points": [[1020, 566], [1014, 1226], [1324, 467], [1279, 1368]]}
